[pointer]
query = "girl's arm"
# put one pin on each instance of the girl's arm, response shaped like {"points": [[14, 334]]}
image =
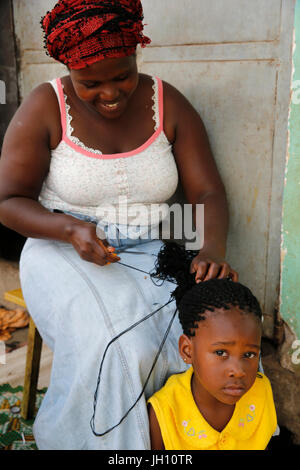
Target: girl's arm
{"points": [[157, 442]]}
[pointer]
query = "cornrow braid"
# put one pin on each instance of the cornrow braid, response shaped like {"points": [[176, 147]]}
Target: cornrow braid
{"points": [[193, 300]]}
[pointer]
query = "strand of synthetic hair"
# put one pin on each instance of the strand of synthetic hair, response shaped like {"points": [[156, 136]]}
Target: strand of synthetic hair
{"points": [[193, 300], [92, 422]]}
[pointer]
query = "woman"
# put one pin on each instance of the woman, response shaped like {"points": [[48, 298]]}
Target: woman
{"points": [[76, 148]]}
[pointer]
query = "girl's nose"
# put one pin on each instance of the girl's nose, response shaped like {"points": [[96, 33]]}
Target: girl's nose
{"points": [[235, 369]]}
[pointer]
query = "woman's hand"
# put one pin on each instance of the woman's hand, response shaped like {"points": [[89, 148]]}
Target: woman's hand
{"points": [[82, 236], [207, 266]]}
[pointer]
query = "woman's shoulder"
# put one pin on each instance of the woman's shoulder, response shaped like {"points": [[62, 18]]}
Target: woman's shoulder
{"points": [[175, 104], [40, 98], [39, 95], [42, 95], [171, 93]]}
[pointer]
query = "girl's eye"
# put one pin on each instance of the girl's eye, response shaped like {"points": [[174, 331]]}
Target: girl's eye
{"points": [[250, 355], [221, 353]]}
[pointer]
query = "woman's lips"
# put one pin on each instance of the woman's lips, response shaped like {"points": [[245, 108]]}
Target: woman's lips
{"points": [[110, 107]]}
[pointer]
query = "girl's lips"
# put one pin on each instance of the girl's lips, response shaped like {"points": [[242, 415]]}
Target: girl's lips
{"points": [[234, 391]]}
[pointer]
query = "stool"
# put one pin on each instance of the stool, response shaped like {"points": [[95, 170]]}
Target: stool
{"points": [[34, 347]]}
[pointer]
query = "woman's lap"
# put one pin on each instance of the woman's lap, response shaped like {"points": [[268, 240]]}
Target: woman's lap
{"points": [[78, 308]]}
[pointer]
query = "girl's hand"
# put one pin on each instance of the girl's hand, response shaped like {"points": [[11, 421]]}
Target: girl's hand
{"points": [[208, 266], [83, 237]]}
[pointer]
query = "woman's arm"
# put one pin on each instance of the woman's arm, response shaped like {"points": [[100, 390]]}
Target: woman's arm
{"points": [[24, 164], [157, 442], [201, 183]]}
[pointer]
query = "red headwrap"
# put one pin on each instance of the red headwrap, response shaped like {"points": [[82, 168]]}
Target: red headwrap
{"points": [[81, 32]]}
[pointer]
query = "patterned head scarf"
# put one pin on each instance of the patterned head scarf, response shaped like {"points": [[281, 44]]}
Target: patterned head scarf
{"points": [[81, 32]]}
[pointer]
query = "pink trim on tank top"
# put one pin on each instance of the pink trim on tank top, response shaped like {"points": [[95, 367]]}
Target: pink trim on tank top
{"points": [[79, 149]]}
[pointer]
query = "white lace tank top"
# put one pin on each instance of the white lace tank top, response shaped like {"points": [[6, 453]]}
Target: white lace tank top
{"points": [[127, 188]]}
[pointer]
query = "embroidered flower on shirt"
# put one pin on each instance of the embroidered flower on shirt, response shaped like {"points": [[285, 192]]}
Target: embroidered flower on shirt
{"points": [[191, 431], [249, 416]]}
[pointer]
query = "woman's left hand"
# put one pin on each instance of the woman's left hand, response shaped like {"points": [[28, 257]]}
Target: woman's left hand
{"points": [[207, 266]]}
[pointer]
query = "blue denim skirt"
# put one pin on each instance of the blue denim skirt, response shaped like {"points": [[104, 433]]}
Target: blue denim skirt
{"points": [[80, 308]]}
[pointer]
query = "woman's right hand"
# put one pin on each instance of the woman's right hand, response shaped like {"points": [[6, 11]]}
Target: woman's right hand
{"points": [[82, 236]]}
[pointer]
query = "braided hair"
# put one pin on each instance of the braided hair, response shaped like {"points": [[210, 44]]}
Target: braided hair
{"points": [[193, 300]]}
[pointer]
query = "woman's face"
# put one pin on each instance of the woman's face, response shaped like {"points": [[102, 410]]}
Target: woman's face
{"points": [[224, 353], [107, 85]]}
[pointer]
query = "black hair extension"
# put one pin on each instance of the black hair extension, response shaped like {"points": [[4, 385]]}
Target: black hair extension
{"points": [[193, 300]]}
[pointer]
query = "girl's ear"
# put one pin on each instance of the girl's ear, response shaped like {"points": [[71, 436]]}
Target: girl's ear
{"points": [[185, 349]]}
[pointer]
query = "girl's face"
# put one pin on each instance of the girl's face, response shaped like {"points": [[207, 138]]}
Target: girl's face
{"points": [[107, 85], [224, 353]]}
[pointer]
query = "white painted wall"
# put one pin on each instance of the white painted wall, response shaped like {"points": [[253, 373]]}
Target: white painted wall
{"points": [[232, 60]]}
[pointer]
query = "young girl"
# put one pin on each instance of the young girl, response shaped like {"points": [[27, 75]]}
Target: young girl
{"points": [[221, 401]]}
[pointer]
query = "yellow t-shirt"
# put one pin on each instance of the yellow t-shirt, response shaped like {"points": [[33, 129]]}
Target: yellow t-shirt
{"points": [[184, 428]]}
